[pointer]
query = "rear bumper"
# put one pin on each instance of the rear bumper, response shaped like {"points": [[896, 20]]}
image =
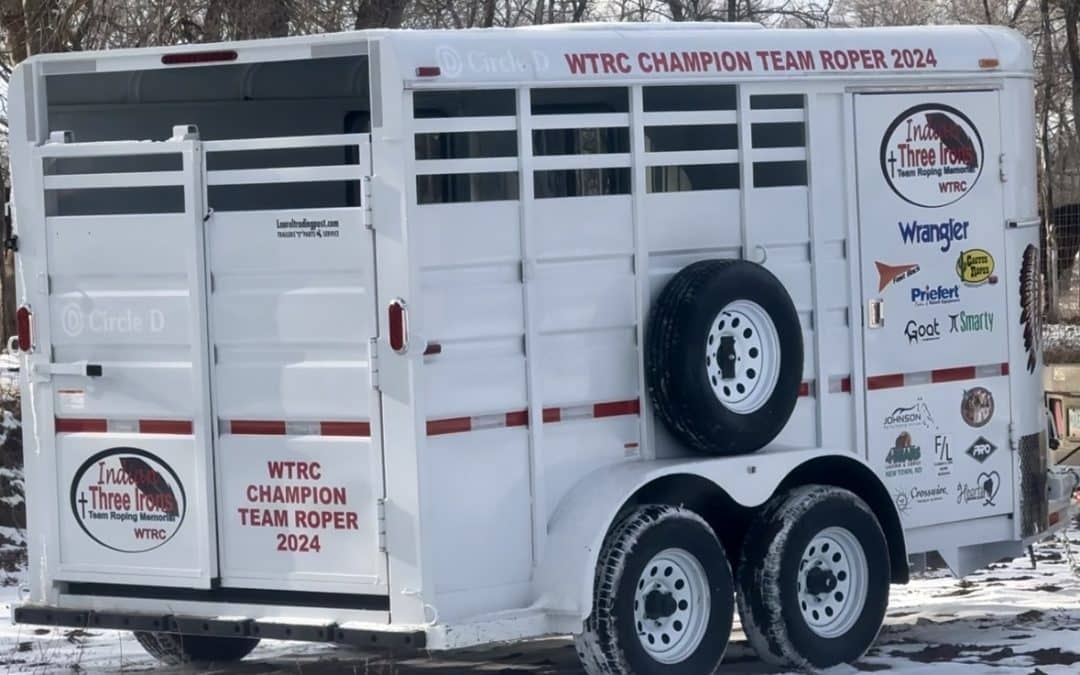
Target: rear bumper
{"points": [[370, 637]]}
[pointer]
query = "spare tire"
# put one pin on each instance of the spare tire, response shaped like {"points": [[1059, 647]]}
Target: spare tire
{"points": [[724, 356]]}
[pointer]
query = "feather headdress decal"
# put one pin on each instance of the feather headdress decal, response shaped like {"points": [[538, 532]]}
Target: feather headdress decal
{"points": [[1031, 305], [954, 138]]}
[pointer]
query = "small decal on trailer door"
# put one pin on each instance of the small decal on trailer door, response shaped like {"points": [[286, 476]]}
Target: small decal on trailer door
{"points": [[128, 500], [931, 155]]}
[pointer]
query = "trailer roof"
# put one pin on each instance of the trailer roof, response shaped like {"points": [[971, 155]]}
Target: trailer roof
{"points": [[619, 51]]}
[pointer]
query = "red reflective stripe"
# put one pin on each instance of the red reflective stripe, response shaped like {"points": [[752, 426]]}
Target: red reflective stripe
{"points": [[180, 427], [518, 418], [617, 408], [345, 429], [258, 427], [1004, 369], [884, 381], [72, 425], [804, 389], [449, 426], [551, 415], [845, 384], [952, 374]]}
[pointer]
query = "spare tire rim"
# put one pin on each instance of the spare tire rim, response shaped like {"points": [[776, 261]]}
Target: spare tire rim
{"points": [[742, 356], [672, 604], [833, 579]]}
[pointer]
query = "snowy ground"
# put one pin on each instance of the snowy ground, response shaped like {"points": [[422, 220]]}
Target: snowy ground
{"points": [[1006, 620]]}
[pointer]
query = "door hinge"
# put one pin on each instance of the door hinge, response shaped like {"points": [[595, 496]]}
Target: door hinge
{"points": [[369, 221], [373, 362], [380, 516], [1013, 447], [1002, 173]]}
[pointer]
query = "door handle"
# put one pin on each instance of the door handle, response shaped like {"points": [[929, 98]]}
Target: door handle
{"points": [[78, 368], [875, 313]]}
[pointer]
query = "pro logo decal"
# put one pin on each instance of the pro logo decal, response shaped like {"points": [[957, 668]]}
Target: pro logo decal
{"points": [[931, 155], [981, 449], [128, 500]]}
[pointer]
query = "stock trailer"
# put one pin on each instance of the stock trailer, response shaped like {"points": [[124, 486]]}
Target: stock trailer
{"points": [[424, 339]]}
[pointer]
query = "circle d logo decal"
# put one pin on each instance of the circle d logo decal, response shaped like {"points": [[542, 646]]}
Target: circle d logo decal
{"points": [[931, 155], [128, 500]]}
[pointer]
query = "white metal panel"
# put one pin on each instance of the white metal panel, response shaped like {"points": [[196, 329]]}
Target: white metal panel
{"points": [[937, 407], [138, 507], [293, 311]]}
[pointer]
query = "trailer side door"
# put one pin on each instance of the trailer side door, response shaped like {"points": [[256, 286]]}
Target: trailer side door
{"points": [[932, 257]]}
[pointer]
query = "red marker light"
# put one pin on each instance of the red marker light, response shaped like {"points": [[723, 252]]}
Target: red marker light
{"points": [[199, 57], [22, 327], [399, 326], [428, 71]]}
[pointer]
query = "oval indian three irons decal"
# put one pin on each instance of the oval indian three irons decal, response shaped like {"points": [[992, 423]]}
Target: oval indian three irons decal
{"points": [[128, 500], [931, 155]]}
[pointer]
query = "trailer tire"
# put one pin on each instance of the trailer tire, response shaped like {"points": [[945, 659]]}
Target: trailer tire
{"points": [[174, 649], [724, 356], [663, 599], [821, 528]]}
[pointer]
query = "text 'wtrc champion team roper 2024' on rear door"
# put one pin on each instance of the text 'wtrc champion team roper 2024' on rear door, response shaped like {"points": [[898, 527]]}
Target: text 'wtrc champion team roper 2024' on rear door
{"points": [[936, 347]]}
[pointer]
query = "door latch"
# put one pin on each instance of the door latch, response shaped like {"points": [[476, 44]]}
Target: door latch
{"points": [[875, 313]]}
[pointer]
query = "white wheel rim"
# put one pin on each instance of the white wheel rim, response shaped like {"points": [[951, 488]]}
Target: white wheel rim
{"points": [[833, 578], [743, 344], [672, 605]]}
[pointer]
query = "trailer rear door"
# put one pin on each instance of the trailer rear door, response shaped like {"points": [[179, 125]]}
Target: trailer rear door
{"points": [[211, 311], [124, 365], [292, 305], [935, 307]]}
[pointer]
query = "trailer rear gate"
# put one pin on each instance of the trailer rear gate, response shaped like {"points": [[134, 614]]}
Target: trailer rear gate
{"points": [[251, 325]]}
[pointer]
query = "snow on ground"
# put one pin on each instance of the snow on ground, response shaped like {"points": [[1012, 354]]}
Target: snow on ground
{"points": [[1008, 619]]}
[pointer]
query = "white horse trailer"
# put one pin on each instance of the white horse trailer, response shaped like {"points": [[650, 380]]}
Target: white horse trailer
{"points": [[435, 339]]}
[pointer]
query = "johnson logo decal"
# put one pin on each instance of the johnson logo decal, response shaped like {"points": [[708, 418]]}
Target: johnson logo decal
{"points": [[931, 155], [128, 500]]}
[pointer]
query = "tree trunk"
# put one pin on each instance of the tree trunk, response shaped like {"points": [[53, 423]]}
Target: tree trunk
{"points": [[1072, 44], [1047, 235], [380, 13], [13, 22]]}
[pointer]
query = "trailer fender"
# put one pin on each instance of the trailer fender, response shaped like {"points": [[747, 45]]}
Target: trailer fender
{"points": [[576, 530]]}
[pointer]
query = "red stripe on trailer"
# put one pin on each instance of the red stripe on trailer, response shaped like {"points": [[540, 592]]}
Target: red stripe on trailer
{"points": [[177, 427], [952, 374], [804, 389], [617, 408], [449, 426], [81, 424], [360, 429], [551, 415], [845, 384], [884, 381], [518, 418], [941, 375], [258, 427]]}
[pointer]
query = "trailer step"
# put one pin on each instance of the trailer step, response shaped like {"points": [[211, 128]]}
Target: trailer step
{"points": [[396, 639]]}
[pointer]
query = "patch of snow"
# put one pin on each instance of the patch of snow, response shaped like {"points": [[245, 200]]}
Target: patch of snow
{"points": [[1009, 619]]}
